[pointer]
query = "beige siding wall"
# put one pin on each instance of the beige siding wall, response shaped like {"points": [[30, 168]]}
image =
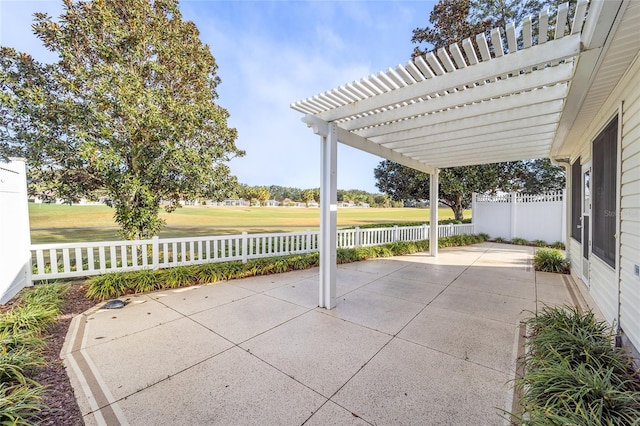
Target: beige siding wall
{"points": [[574, 252], [603, 279], [630, 207], [603, 288]]}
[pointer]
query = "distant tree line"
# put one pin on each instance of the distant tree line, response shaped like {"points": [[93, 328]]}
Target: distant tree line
{"points": [[291, 194]]}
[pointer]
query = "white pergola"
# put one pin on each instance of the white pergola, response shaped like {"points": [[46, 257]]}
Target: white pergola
{"points": [[449, 108]]}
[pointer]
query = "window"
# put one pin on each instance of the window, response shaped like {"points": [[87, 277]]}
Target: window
{"points": [[576, 200], [604, 182]]}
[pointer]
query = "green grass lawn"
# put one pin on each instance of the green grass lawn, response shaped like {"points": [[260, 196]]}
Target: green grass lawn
{"points": [[63, 223]]}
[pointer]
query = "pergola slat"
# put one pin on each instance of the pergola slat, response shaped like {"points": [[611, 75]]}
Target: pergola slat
{"points": [[481, 41], [578, 19], [467, 45], [526, 33], [512, 44], [414, 71], [424, 68], [387, 82], [457, 55], [561, 20], [446, 60], [434, 64], [404, 74], [543, 26], [496, 42]]}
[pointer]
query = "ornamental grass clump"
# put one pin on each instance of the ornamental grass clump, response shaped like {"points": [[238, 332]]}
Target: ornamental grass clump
{"points": [[573, 373], [21, 351], [550, 260]]}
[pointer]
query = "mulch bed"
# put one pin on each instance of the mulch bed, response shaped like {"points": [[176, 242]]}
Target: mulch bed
{"points": [[61, 408]]}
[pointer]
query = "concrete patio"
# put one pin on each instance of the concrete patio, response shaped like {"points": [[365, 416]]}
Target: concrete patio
{"points": [[413, 340]]}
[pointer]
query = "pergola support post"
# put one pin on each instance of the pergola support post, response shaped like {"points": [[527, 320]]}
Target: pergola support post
{"points": [[434, 187], [328, 217]]}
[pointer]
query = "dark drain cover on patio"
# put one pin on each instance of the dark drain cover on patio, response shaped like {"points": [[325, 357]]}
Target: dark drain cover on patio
{"points": [[114, 304]]}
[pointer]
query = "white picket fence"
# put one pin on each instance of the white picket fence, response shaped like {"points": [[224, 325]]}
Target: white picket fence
{"points": [[66, 260]]}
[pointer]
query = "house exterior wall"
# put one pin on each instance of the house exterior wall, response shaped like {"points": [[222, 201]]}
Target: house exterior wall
{"points": [[617, 291], [630, 206]]}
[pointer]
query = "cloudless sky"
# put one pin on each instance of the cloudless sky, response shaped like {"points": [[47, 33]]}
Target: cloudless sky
{"points": [[271, 54]]}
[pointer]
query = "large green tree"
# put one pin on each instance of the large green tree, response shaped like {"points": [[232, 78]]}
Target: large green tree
{"points": [[456, 184], [129, 107]]}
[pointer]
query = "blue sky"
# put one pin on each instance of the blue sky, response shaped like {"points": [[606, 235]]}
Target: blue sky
{"points": [[270, 54]]}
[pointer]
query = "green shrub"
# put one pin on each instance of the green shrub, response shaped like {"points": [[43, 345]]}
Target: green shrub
{"points": [[539, 243], [27, 318], [107, 286], [558, 245], [144, 281], [519, 241], [45, 294], [208, 273], [345, 255], [550, 260], [573, 374], [14, 363], [178, 277], [21, 351], [19, 403], [499, 240], [484, 236]]}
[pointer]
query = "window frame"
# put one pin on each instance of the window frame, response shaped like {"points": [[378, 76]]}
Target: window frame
{"points": [[604, 180]]}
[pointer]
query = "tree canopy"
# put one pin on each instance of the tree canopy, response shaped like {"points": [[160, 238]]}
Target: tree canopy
{"points": [[130, 108]]}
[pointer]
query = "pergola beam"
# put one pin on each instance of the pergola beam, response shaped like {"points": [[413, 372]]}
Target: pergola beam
{"points": [[363, 144]]}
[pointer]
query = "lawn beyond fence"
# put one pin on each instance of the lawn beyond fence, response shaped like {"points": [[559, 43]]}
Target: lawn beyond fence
{"points": [[70, 224], [66, 260]]}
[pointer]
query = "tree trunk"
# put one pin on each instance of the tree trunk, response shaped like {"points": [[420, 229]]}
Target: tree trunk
{"points": [[458, 209]]}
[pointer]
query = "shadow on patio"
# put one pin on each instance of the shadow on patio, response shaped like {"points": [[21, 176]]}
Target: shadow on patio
{"points": [[413, 340]]}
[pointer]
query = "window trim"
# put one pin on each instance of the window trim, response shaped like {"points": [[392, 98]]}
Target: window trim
{"points": [[576, 200]]}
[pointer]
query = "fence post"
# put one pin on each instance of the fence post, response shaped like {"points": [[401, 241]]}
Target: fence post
{"points": [[356, 237], [307, 242], [425, 232], [513, 216], [395, 233], [245, 245], [473, 212], [155, 252]]}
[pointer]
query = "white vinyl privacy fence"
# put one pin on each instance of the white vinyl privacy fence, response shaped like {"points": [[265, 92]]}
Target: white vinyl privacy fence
{"points": [[14, 230], [65, 260], [531, 217]]}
